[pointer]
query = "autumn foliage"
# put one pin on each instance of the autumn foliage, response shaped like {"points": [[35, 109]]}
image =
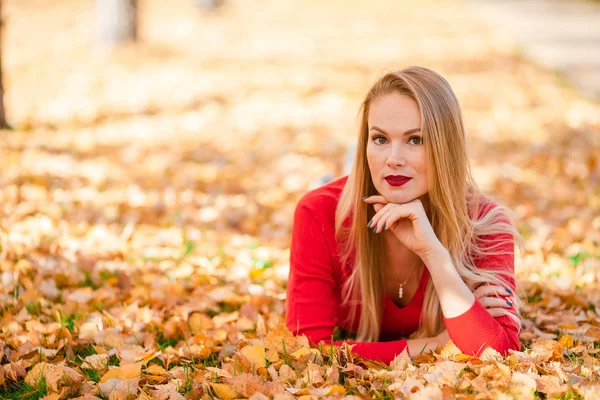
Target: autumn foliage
{"points": [[147, 196]]}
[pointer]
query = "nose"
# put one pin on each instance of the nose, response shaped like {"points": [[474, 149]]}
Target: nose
{"points": [[396, 157]]}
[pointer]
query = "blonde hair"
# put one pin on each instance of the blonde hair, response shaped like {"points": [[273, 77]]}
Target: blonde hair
{"points": [[455, 206]]}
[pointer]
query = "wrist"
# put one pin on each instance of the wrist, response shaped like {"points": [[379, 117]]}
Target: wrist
{"points": [[435, 256], [440, 340]]}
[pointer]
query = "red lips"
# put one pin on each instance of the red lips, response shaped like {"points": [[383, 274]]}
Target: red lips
{"points": [[397, 180], [397, 177]]}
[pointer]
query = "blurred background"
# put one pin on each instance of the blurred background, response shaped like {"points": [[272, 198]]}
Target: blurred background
{"points": [[177, 136]]}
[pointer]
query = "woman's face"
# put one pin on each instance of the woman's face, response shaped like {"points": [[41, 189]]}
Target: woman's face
{"points": [[395, 150]]}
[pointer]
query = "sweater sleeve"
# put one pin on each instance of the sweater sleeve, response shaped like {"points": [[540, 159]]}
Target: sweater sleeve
{"points": [[476, 329], [311, 300]]}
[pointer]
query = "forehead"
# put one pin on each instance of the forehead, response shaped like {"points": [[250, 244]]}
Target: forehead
{"points": [[394, 112]]}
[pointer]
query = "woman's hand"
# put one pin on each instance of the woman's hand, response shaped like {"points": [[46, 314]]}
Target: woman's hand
{"points": [[496, 299], [408, 222], [443, 338]]}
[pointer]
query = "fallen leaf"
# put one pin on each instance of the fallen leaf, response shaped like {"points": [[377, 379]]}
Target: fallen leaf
{"points": [[256, 355]]}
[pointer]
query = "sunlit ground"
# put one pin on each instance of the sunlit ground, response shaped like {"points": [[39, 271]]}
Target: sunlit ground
{"points": [[147, 194]]}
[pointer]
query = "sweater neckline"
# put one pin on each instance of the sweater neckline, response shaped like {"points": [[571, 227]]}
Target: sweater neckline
{"points": [[418, 294]]}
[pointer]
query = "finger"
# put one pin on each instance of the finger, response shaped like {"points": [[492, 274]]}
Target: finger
{"points": [[390, 219], [375, 199], [473, 285], [495, 302], [378, 206], [491, 290], [374, 223], [498, 312], [392, 214]]}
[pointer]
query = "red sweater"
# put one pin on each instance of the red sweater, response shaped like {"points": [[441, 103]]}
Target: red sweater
{"points": [[314, 297]]}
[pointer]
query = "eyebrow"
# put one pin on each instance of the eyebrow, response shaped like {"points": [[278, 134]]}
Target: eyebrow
{"points": [[408, 132]]}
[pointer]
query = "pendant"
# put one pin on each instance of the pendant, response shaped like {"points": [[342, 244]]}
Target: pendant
{"points": [[400, 291]]}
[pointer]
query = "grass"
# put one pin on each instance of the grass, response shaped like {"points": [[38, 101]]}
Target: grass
{"points": [[34, 308], [534, 298], [92, 374], [163, 342], [88, 279], [572, 357], [223, 307], [212, 361], [24, 391], [113, 361], [571, 395], [68, 321], [187, 383], [189, 248], [82, 352]]}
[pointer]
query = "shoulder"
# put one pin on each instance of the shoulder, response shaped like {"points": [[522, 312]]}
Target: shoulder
{"points": [[487, 211], [494, 235], [322, 201]]}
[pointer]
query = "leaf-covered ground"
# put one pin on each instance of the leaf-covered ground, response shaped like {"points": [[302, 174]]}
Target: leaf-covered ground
{"points": [[147, 198]]}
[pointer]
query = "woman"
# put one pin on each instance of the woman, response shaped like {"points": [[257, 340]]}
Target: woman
{"points": [[405, 245]]}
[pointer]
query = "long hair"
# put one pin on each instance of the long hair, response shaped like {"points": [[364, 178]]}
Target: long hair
{"points": [[456, 206]]}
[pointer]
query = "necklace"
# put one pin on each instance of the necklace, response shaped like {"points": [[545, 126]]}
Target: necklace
{"points": [[401, 288]]}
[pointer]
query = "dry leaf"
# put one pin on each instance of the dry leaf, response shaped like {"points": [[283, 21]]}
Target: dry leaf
{"points": [[123, 373], [256, 355], [119, 387], [223, 391]]}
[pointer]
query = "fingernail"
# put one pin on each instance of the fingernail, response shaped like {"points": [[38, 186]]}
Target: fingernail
{"points": [[369, 224], [374, 229], [366, 197], [508, 290], [383, 229], [509, 303]]}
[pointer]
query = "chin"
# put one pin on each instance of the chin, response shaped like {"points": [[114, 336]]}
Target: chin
{"points": [[400, 198]]}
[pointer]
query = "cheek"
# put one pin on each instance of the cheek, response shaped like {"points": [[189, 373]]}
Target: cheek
{"points": [[420, 162], [371, 157], [423, 169], [374, 161]]}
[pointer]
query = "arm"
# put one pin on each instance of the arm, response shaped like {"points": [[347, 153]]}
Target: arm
{"points": [[311, 301], [464, 314]]}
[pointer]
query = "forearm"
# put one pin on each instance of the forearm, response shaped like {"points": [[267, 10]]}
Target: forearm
{"points": [[463, 314], [455, 296], [416, 347]]}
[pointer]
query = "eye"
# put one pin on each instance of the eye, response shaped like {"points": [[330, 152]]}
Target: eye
{"points": [[376, 138], [415, 140]]}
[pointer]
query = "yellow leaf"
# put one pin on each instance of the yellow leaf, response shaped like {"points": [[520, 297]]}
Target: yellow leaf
{"points": [[156, 370], [336, 389], [567, 326], [124, 372], [200, 323], [256, 355], [450, 351], [304, 351], [113, 373], [223, 391], [567, 341]]}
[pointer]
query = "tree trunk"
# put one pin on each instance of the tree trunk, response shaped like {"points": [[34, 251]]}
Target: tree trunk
{"points": [[117, 21], [209, 4], [3, 123]]}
